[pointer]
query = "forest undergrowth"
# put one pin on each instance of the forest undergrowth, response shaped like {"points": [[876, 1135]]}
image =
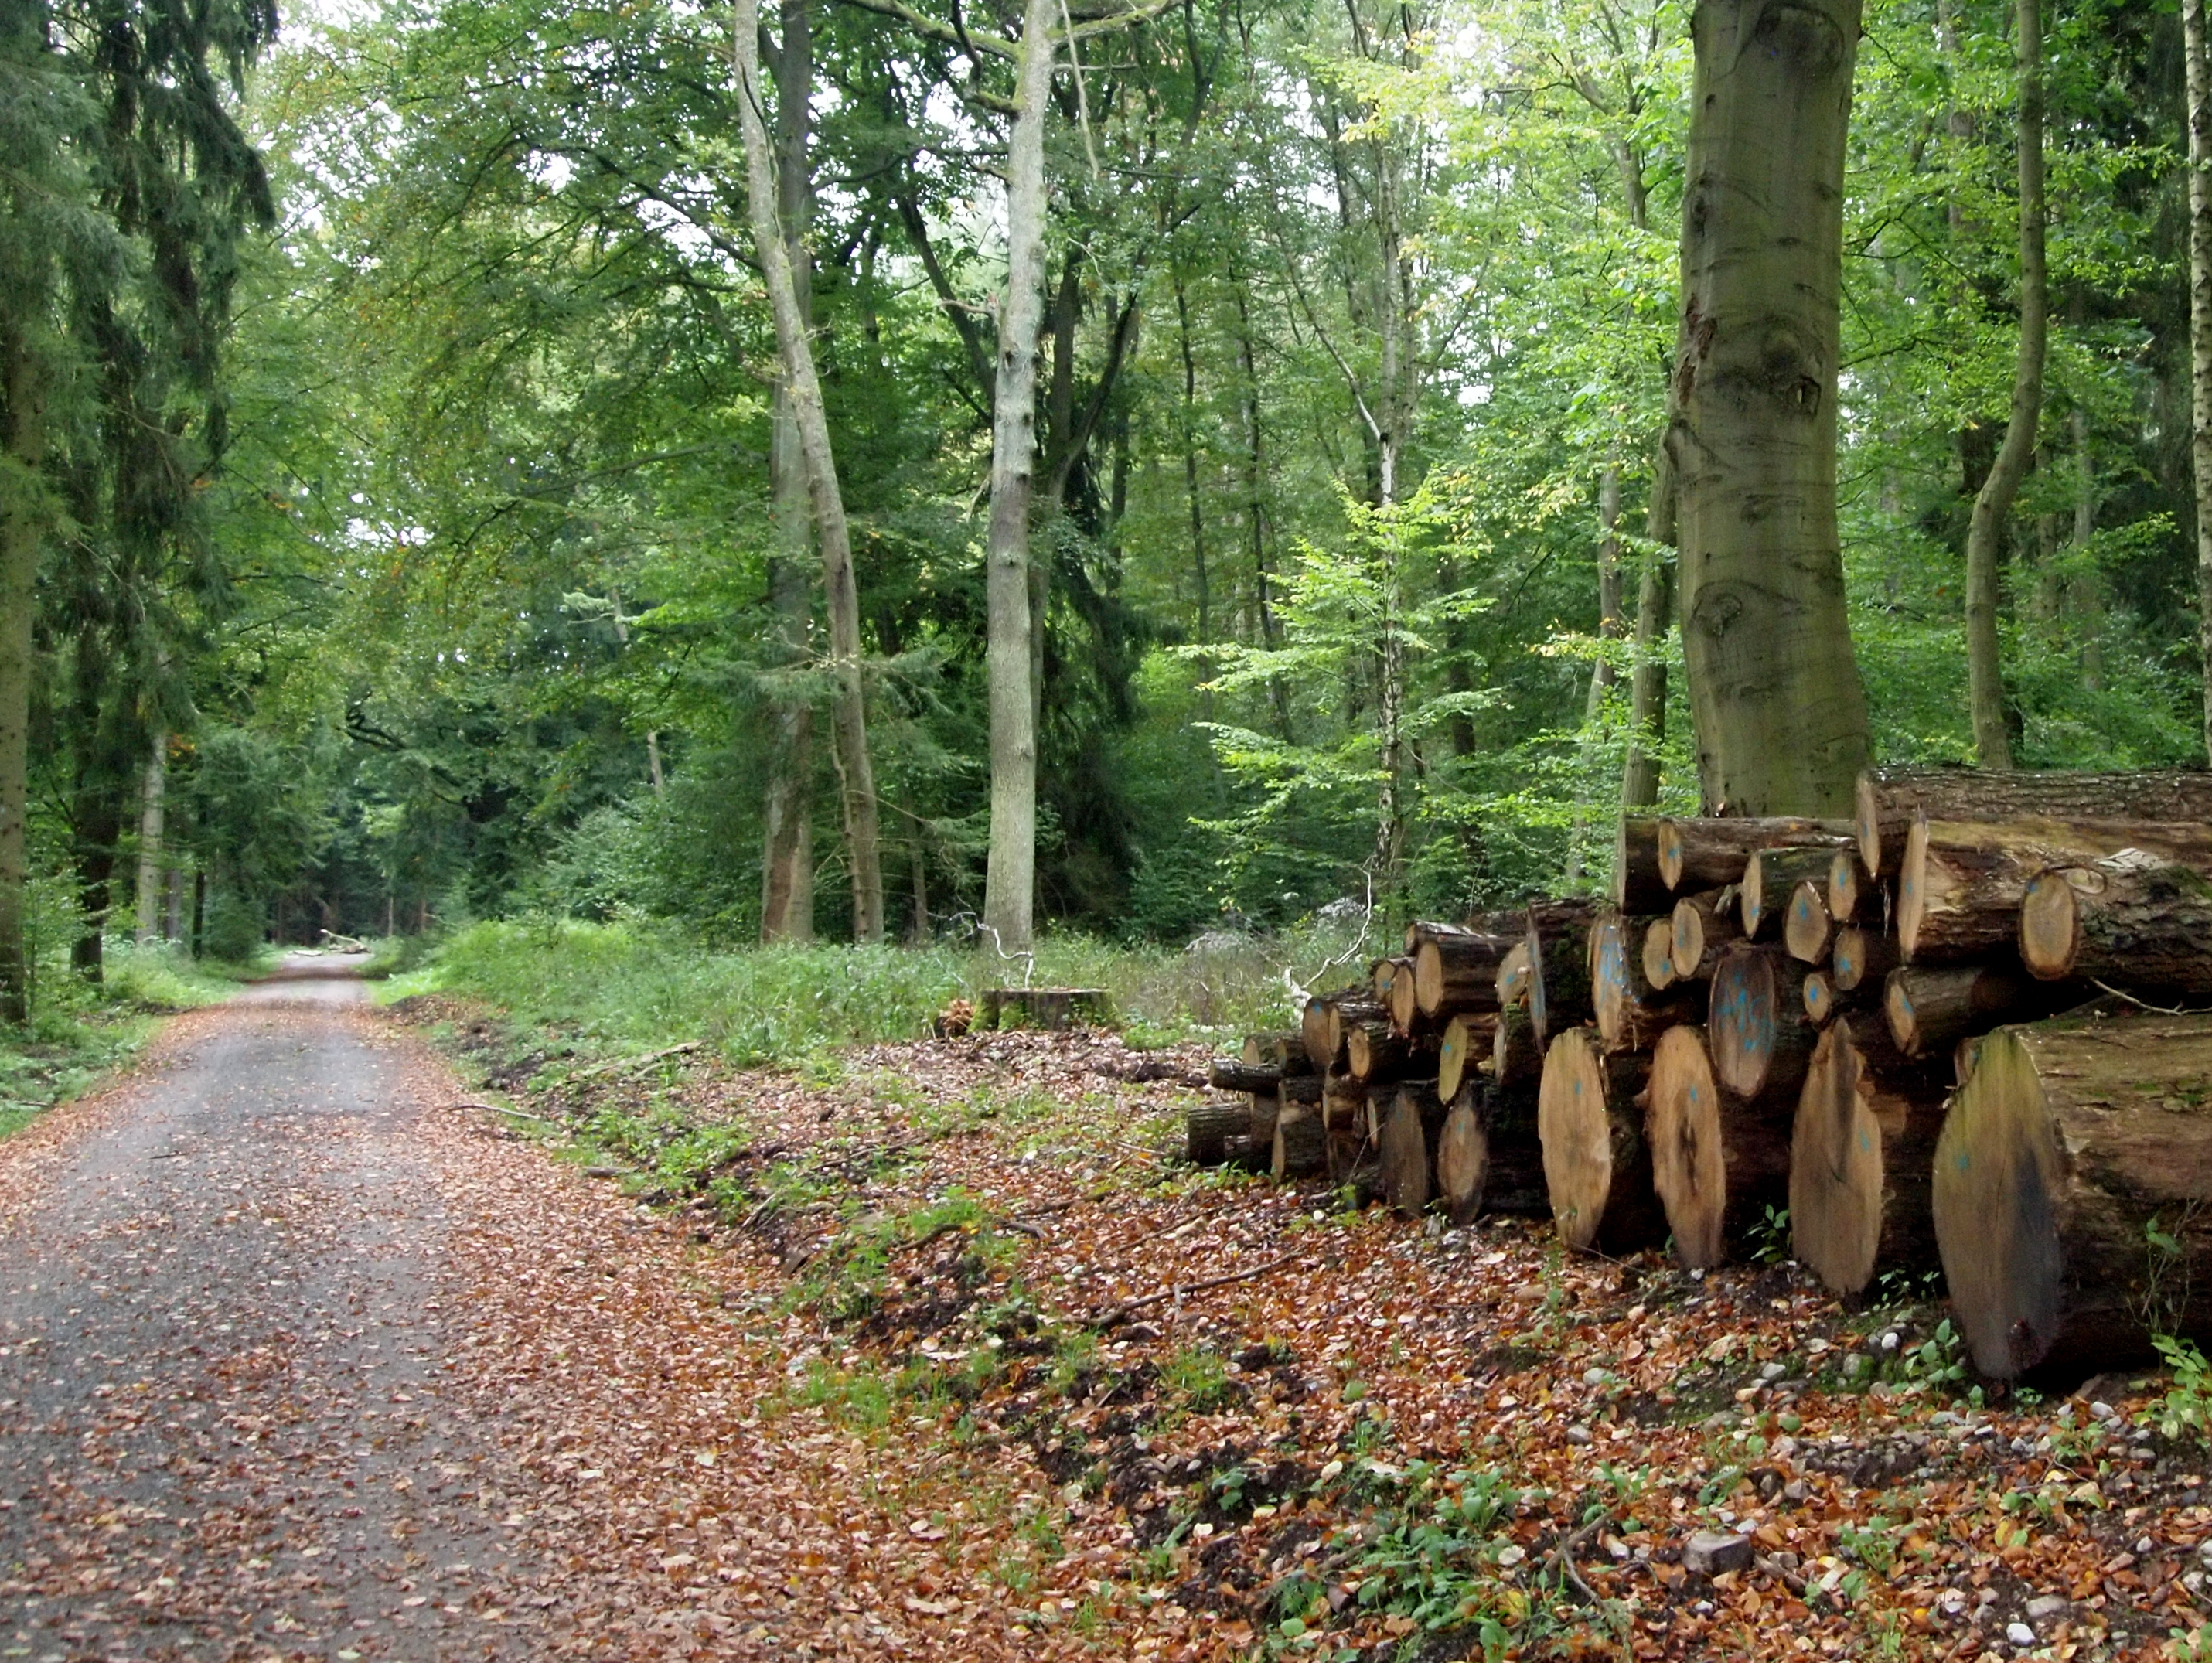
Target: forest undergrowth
{"points": [[1266, 1421]]}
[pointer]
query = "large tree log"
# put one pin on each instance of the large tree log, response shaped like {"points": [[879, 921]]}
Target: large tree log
{"points": [[2129, 923], [1770, 878], [1314, 1032], [1209, 1127], [1375, 1052], [1861, 956], [1862, 1159], [1380, 976], [1407, 1148], [1513, 978], [1809, 931], [1930, 1009], [1235, 1074], [1631, 1013], [2069, 1142], [1516, 1058], [1327, 1020], [1890, 799], [1345, 1117], [1597, 1165], [1286, 1050], [1850, 886], [1457, 972], [1489, 1158], [1465, 1043], [1659, 952], [1559, 964], [1704, 926], [1300, 1149], [1758, 1034], [1718, 1161], [1710, 854], [1638, 885]]}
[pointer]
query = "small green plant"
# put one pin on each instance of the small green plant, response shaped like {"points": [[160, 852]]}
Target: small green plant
{"points": [[1768, 1238], [1873, 1543], [2185, 1410], [2190, 1645], [1199, 1378], [1939, 1360]]}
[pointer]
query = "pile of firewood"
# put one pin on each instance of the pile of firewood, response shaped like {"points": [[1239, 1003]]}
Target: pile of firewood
{"points": [[1947, 1031]]}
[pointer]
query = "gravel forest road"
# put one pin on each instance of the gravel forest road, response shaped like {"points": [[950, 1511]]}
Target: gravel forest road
{"points": [[302, 1359]]}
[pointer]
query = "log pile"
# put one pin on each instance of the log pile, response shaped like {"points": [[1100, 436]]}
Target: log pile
{"points": [[1945, 1031]]}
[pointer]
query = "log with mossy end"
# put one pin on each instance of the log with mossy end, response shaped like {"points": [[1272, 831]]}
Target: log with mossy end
{"points": [[1209, 1127], [2070, 1186], [1465, 1043], [1629, 1012], [1771, 878], [1862, 1160], [1757, 1028], [2129, 924], [1710, 854], [1458, 972], [1890, 799], [1597, 1164], [1718, 1161], [1706, 926]]}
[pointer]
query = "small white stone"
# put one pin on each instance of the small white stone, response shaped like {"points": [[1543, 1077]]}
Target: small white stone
{"points": [[2103, 1412], [1511, 1554], [1578, 1435], [1889, 1340], [2046, 1605], [2020, 1634]]}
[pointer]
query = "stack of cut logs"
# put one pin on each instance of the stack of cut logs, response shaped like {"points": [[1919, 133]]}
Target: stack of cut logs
{"points": [[1950, 1030]]}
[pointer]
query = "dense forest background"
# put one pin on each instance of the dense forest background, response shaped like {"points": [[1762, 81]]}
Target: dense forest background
{"points": [[412, 546]]}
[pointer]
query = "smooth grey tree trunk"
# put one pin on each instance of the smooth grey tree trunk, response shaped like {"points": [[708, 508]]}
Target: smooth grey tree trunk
{"points": [[152, 789], [1010, 883], [856, 776], [1780, 712], [2200, 321], [1647, 677], [24, 437], [1993, 503]]}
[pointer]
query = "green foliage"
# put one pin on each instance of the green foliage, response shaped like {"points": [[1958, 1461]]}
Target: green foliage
{"points": [[2185, 1410]]}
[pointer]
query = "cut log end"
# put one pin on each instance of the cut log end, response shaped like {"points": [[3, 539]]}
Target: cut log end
{"points": [[1572, 1120], [1757, 1028], [1848, 884], [1688, 1167], [1403, 1152], [1670, 853], [1820, 998], [2049, 926], [1808, 926], [1866, 822], [1462, 1161], [1659, 952], [1913, 887], [1835, 1170]]}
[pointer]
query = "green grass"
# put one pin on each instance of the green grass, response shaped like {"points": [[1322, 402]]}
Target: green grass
{"points": [[629, 986]]}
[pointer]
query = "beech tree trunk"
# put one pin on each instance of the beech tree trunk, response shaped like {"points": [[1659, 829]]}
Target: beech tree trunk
{"points": [[1010, 882], [1597, 1164], [1993, 502], [23, 439], [1781, 715], [796, 350], [2069, 1141], [152, 791], [1647, 680], [2199, 57]]}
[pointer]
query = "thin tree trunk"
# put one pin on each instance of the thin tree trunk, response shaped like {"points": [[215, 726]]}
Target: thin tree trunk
{"points": [[1647, 679], [1781, 713], [856, 774], [1010, 885], [148, 928], [1190, 462], [23, 435], [2085, 593], [787, 829], [1993, 503], [1608, 580], [2200, 321]]}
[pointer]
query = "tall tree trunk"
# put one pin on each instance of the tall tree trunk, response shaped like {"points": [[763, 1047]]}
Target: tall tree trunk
{"points": [[23, 435], [1781, 714], [2085, 593], [1010, 885], [1190, 462], [1608, 580], [1993, 502], [151, 791], [856, 776], [787, 828], [1647, 678], [2200, 321]]}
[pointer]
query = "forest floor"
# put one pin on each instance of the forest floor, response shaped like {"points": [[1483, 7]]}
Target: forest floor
{"points": [[932, 1351]]}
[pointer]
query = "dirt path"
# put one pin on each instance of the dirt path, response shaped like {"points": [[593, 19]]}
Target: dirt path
{"points": [[297, 1360]]}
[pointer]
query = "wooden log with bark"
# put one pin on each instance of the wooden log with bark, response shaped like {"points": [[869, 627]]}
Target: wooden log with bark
{"points": [[1808, 929], [1210, 1127], [1758, 1034], [1850, 886], [1708, 854], [1328, 1019], [1512, 981], [1300, 1147], [1465, 1045], [1718, 1161], [1235, 1074], [1457, 972], [1658, 952], [1380, 974], [1283, 1049], [1629, 1012], [1489, 1158], [1770, 877], [1890, 799], [1516, 1058], [1930, 1008], [1407, 1147], [1638, 885], [1374, 1050], [1861, 956], [1559, 948], [2130, 924], [1267, 1108], [2070, 1186], [1704, 926], [1597, 1164], [1862, 1160], [1405, 1012]]}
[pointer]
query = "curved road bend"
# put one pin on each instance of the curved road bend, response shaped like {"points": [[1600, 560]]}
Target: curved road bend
{"points": [[220, 1429]]}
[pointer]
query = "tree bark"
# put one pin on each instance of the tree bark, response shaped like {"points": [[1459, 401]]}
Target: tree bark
{"points": [[151, 791], [23, 438], [1770, 877], [1929, 1011], [1710, 853], [1010, 883], [2069, 1141], [1638, 886], [2128, 923], [2199, 57], [855, 771], [1210, 1130], [1647, 682], [1781, 714], [1993, 502], [1457, 972], [2088, 805]]}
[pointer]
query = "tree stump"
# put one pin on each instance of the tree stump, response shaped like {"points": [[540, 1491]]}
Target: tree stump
{"points": [[2129, 922], [1705, 927], [1049, 1010], [1708, 854], [2068, 1143], [1597, 1165], [1861, 1158], [1209, 1127], [1717, 1160], [1757, 1031]]}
